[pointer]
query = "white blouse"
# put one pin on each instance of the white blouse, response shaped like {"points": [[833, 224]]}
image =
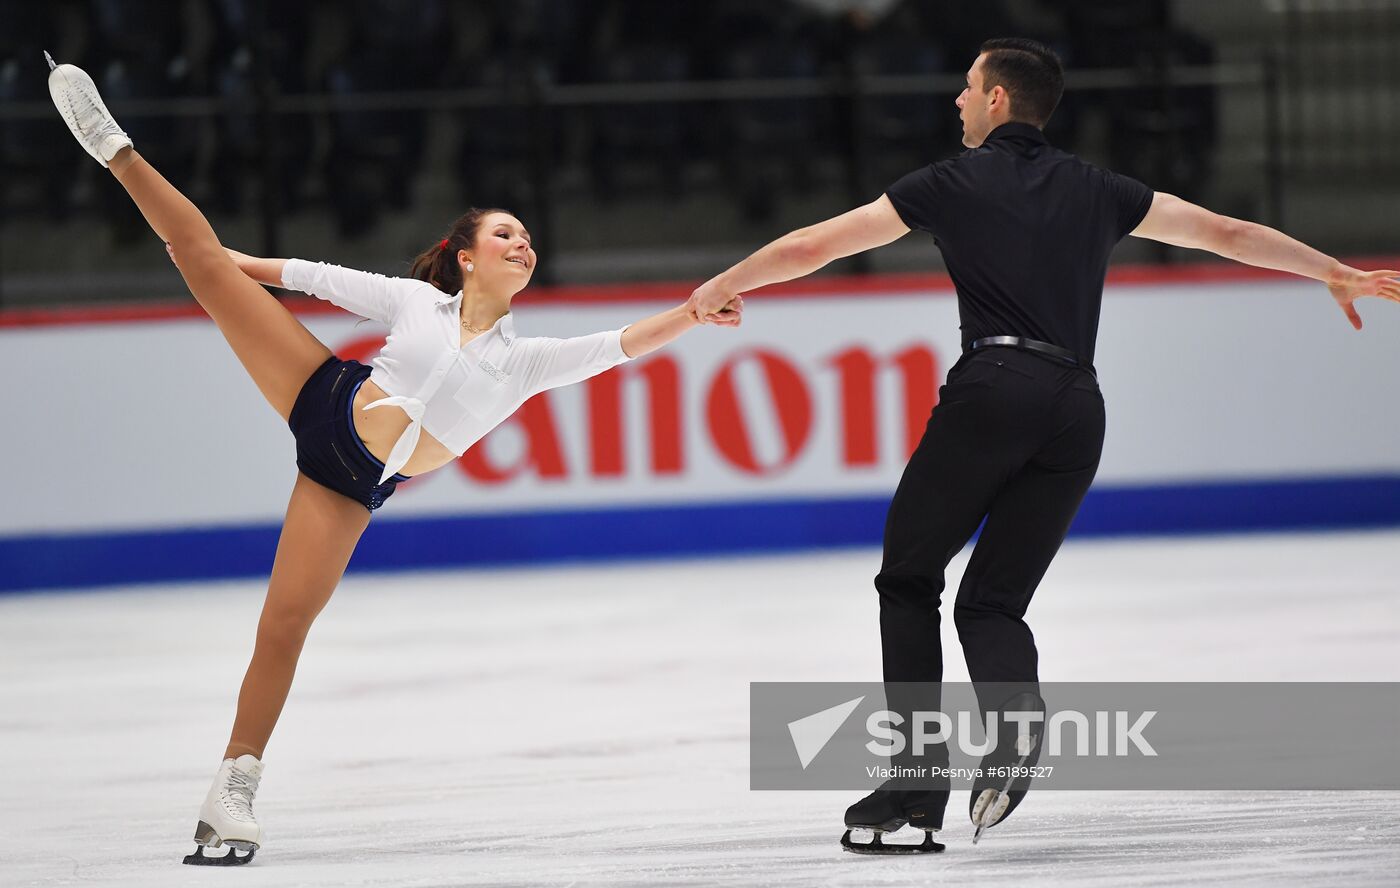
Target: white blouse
{"points": [[458, 393]]}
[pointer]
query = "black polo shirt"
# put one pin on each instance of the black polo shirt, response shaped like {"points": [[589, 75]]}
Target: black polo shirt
{"points": [[1025, 230]]}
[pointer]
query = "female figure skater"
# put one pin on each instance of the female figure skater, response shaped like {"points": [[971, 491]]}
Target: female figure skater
{"points": [[452, 370]]}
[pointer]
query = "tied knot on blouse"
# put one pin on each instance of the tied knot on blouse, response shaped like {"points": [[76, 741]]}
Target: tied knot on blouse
{"points": [[408, 441]]}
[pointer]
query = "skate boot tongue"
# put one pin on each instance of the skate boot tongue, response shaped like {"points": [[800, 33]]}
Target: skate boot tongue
{"points": [[248, 764]]}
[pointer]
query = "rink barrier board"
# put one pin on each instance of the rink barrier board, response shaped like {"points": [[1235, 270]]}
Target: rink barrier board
{"points": [[72, 561], [167, 548]]}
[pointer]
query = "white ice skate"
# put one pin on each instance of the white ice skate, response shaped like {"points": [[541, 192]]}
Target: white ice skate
{"points": [[226, 817], [81, 106]]}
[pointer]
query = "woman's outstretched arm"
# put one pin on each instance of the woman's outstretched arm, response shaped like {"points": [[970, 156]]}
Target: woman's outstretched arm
{"points": [[556, 362], [365, 293], [660, 329], [264, 271]]}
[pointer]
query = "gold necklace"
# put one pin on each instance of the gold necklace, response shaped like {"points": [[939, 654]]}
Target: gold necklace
{"points": [[470, 329]]}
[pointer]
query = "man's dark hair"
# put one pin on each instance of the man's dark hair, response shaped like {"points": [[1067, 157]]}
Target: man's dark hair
{"points": [[1029, 72]]}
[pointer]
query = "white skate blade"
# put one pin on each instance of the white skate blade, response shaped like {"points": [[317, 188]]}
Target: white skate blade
{"points": [[991, 805], [988, 811]]}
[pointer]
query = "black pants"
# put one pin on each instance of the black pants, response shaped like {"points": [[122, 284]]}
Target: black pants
{"points": [[1016, 439]]}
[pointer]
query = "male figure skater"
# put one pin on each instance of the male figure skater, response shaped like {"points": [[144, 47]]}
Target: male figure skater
{"points": [[1026, 230]]}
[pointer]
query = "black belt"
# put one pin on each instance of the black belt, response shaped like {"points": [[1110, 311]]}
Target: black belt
{"points": [[1034, 345]]}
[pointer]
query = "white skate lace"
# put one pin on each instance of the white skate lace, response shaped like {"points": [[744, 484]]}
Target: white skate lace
{"points": [[88, 117], [237, 794], [93, 122]]}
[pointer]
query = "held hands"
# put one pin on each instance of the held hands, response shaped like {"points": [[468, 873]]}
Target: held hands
{"points": [[731, 315], [711, 304], [1349, 284]]}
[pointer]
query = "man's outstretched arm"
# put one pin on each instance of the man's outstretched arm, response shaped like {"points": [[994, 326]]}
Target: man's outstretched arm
{"points": [[1172, 220], [800, 253]]}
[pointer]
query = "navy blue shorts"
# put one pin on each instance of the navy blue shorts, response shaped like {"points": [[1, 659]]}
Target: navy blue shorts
{"points": [[328, 450]]}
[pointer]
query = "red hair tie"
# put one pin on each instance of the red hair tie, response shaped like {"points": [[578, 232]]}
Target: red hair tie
{"points": [[443, 245]]}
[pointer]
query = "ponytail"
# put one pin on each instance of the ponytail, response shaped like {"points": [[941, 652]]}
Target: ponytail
{"points": [[438, 264]]}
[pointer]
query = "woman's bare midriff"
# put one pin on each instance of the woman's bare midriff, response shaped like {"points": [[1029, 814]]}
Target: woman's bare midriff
{"points": [[381, 427]]}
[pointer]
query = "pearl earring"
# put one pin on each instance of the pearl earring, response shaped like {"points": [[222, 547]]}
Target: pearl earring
{"points": [[471, 267]]}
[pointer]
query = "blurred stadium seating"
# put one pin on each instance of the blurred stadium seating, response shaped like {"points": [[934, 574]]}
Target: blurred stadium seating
{"points": [[645, 140]]}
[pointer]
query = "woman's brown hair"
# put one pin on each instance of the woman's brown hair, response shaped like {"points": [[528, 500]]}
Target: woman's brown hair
{"points": [[438, 264]]}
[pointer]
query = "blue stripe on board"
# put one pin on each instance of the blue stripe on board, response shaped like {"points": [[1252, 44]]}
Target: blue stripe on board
{"points": [[84, 560]]}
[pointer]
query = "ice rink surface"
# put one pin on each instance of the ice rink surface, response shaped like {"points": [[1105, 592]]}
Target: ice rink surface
{"points": [[588, 725]]}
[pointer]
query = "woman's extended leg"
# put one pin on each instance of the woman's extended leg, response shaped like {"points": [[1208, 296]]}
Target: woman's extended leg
{"points": [[318, 537], [277, 351]]}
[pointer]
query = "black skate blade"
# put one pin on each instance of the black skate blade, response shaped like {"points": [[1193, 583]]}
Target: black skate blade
{"points": [[232, 858], [877, 846]]}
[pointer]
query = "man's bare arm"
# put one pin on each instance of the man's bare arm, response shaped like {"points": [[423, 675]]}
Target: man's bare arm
{"points": [[802, 252], [1172, 220]]}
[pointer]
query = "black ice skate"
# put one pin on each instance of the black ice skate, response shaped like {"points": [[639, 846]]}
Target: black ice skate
{"points": [[989, 806], [887, 810]]}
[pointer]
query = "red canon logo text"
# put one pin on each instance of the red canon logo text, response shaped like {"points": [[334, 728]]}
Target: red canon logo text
{"points": [[729, 428]]}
